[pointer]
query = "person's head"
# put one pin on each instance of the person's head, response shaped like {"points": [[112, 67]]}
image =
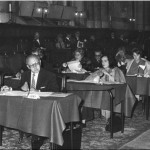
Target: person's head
{"points": [[121, 53], [33, 62], [36, 35], [97, 55], [38, 52], [137, 52], [79, 54], [107, 62]]}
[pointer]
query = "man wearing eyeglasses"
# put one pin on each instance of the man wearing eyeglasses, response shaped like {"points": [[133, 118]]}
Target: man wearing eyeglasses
{"points": [[96, 62], [36, 78]]}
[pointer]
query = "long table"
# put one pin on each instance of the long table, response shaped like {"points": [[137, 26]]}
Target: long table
{"points": [[140, 86], [98, 96], [43, 117]]}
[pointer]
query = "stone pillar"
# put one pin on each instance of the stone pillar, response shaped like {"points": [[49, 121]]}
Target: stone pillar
{"points": [[97, 14], [104, 14], [79, 19], [139, 15], [146, 17], [90, 14]]}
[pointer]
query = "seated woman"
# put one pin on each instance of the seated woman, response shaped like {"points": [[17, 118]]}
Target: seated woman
{"points": [[121, 57], [107, 74], [111, 74], [80, 56], [138, 65]]}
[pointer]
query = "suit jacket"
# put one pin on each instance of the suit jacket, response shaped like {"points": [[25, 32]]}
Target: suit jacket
{"points": [[46, 81], [36, 44]]}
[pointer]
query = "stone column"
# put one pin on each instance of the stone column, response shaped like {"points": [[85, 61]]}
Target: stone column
{"points": [[97, 14], [139, 15], [104, 14], [90, 14]]}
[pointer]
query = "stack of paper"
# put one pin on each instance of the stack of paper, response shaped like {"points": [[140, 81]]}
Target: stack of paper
{"points": [[74, 65]]}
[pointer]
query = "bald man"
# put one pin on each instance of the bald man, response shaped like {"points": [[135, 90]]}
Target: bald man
{"points": [[37, 78]]}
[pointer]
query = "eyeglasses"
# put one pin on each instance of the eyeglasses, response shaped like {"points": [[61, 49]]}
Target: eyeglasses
{"points": [[34, 65]]}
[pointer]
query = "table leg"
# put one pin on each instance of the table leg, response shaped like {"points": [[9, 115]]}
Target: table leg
{"points": [[111, 114], [147, 107], [122, 117], [1, 133], [71, 130]]}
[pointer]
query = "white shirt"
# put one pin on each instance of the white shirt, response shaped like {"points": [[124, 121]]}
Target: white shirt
{"points": [[35, 78], [38, 41]]}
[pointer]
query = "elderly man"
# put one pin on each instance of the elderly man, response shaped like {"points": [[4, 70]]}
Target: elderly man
{"points": [[36, 78]]}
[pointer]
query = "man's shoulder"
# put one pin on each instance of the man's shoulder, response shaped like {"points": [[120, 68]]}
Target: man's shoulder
{"points": [[26, 72]]}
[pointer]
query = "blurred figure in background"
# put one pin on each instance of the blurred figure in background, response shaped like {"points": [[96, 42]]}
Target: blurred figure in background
{"points": [[37, 42], [44, 63], [96, 61], [59, 42]]}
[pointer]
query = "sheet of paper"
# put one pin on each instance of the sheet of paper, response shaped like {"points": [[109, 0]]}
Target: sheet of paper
{"points": [[60, 94], [74, 65], [100, 83], [131, 75], [81, 81], [42, 94], [15, 93]]}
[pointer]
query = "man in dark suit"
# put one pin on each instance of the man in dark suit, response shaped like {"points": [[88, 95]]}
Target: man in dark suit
{"points": [[96, 61], [43, 80], [37, 79], [37, 42]]}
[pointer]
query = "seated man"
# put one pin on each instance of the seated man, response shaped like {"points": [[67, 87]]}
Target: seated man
{"points": [[37, 78], [138, 65], [96, 62]]}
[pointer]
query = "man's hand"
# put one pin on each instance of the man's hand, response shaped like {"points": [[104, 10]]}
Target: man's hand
{"points": [[25, 87], [34, 90]]}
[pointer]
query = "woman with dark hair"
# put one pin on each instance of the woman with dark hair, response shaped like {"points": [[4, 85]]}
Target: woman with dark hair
{"points": [[109, 72]]}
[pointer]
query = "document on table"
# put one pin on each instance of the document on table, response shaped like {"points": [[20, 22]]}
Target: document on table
{"points": [[81, 81], [134, 75], [34, 94], [14, 93], [100, 83], [50, 94], [55, 94]]}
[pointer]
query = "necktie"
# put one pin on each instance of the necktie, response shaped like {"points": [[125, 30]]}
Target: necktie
{"points": [[33, 81]]}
